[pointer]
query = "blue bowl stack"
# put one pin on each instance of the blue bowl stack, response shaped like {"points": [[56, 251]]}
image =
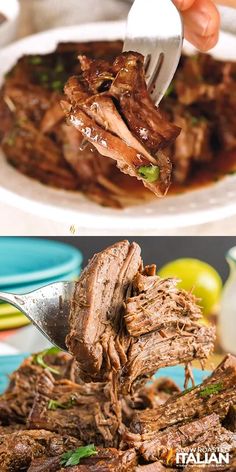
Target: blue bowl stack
{"points": [[29, 263]]}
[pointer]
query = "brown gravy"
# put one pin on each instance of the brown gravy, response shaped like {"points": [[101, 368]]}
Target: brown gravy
{"points": [[208, 173], [202, 175]]}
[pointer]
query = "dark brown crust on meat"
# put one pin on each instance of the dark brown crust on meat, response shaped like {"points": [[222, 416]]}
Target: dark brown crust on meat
{"points": [[189, 405], [99, 298], [109, 105]]}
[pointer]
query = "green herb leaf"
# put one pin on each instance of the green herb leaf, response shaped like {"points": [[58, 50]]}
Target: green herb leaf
{"points": [[195, 120], [35, 60], [211, 390], [44, 77], [57, 85], [150, 173], [170, 90], [54, 404], [73, 457], [39, 359], [11, 138], [59, 67]]}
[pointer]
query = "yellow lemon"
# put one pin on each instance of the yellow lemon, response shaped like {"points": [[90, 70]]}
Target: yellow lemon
{"points": [[196, 276]]}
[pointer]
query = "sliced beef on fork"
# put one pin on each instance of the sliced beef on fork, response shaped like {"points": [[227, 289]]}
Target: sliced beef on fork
{"points": [[165, 348], [214, 395], [163, 324], [108, 313], [110, 106], [157, 303], [95, 318], [81, 410], [18, 449]]}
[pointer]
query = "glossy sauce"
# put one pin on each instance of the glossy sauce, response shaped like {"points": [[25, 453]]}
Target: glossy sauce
{"points": [[202, 175], [208, 173]]}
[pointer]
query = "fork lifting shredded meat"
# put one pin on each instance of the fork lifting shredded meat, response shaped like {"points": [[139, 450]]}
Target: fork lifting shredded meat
{"points": [[97, 411], [108, 103]]}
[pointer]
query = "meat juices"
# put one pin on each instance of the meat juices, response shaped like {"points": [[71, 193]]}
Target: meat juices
{"points": [[110, 106], [37, 141]]}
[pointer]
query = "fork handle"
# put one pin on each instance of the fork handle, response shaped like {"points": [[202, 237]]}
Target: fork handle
{"points": [[13, 299]]}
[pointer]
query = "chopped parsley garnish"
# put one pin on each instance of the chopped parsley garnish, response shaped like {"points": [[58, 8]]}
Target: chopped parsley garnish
{"points": [[54, 404], [11, 138], [35, 60], [44, 77], [39, 359], [170, 90], [150, 173], [195, 120], [57, 85], [59, 67], [73, 457], [211, 390]]}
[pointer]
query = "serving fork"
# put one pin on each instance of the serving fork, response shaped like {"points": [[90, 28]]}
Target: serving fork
{"points": [[48, 308], [155, 30]]}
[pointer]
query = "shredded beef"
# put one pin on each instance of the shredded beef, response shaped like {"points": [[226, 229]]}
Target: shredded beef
{"points": [[110, 106], [112, 296], [125, 323]]}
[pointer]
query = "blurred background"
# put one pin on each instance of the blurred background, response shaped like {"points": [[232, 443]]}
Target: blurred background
{"points": [[38, 15]]}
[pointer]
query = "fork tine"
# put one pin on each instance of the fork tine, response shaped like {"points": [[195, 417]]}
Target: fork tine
{"points": [[155, 30]]}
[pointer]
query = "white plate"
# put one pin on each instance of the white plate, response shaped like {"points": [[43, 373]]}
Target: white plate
{"points": [[195, 207], [8, 28]]}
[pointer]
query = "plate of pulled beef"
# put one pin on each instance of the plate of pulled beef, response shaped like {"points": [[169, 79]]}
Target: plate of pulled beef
{"points": [[81, 140], [98, 408]]}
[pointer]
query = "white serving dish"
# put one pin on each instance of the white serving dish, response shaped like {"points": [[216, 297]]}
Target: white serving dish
{"points": [[8, 29], [195, 207]]}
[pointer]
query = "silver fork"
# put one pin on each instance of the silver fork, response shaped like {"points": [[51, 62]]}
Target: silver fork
{"points": [[48, 308], [155, 29]]}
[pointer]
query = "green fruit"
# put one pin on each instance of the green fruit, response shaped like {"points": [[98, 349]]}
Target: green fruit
{"points": [[196, 276]]}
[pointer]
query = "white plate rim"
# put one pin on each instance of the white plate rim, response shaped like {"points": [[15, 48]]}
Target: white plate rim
{"points": [[73, 208]]}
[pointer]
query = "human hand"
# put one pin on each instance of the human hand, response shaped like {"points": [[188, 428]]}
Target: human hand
{"points": [[201, 21]]}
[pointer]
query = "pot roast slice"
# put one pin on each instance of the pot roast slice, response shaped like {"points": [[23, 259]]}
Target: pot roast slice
{"points": [[157, 303], [204, 432], [106, 460], [18, 449], [214, 395], [95, 318], [164, 348], [17, 400], [154, 467], [85, 411], [130, 322], [110, 106]]}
